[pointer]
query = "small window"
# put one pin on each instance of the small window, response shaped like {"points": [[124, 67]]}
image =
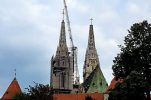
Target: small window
{"points": [[100, 83], [63, 63]]}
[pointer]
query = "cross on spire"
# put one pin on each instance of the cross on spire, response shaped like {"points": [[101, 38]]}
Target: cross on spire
{"points": [[15, 72], [91, 20], [63, 13]]}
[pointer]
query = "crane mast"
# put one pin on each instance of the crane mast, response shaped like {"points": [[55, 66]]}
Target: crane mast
{"points": [[73, 48]]}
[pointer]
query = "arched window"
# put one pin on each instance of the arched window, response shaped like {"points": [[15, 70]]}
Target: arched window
{"points": [[63, 80]]}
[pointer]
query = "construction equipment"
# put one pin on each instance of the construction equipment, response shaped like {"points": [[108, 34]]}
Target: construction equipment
{"points": [[73, 48]]}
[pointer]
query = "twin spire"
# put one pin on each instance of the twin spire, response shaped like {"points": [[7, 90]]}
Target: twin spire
{"points": [[62, 40], [91, 50], [62, 74]]}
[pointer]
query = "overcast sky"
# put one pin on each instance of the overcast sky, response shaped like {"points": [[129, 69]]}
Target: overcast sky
{"points": [[30, 29]]}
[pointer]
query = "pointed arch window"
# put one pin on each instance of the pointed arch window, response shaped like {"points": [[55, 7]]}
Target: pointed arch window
{"points": [[63, 80], [63, 63]]}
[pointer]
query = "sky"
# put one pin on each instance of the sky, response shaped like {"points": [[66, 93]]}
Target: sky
{"points": [[30, 29]]}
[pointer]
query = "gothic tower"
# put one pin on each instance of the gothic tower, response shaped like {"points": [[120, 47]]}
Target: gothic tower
{"points": [[94, 80], [91, 56], [61, 71]]}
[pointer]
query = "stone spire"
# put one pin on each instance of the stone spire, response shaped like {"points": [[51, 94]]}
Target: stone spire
{"points": [[91, 41], [62, 48], [91, 56], [62, 39]]}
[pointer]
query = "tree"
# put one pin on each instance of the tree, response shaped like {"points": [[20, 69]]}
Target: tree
{"points": [[21, 96], [135, 55], [37, 92], [132, 88]]}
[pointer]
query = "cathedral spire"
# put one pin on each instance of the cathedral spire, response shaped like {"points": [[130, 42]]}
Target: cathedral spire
{"points": [[91, 57], [62, 40], [62, 48], [91, 41], [61, 71], [94, 80]]}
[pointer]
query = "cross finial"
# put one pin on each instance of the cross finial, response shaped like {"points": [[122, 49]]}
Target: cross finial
{"points": [[91, 20], [15, 72], [63, 13]]}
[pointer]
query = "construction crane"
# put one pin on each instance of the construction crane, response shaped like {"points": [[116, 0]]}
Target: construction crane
{"points": [[73, 48]]}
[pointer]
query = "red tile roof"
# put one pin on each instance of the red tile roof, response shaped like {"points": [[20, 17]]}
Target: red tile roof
{"points": [[82, 96], [113, 83], [12, 90]]}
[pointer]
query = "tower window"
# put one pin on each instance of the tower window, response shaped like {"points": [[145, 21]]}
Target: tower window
{"points": [[63, 80], [63, 63]]}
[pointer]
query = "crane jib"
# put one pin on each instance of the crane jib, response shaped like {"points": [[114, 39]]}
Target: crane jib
{"points": [[74, 49]]}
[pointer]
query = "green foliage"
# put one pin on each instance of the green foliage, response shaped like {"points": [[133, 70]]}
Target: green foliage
{"points": [[20, 96], [135, 55], [132, 88], [37, 92]]}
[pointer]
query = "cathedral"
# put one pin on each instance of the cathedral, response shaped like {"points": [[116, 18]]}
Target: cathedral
{"points": [[62, 71]]}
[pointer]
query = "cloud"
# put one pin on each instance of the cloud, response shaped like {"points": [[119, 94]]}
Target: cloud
{"points": [[134, 8]]}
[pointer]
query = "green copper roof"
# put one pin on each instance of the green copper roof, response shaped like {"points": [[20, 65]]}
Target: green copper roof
{"points": [[95, 82]]}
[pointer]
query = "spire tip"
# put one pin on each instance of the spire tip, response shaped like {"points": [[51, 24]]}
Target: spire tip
{"points": [[91, 20], [15, 73], [63, 14]]}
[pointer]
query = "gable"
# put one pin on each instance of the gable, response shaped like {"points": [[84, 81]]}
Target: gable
{"points": [[96, 82]]}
